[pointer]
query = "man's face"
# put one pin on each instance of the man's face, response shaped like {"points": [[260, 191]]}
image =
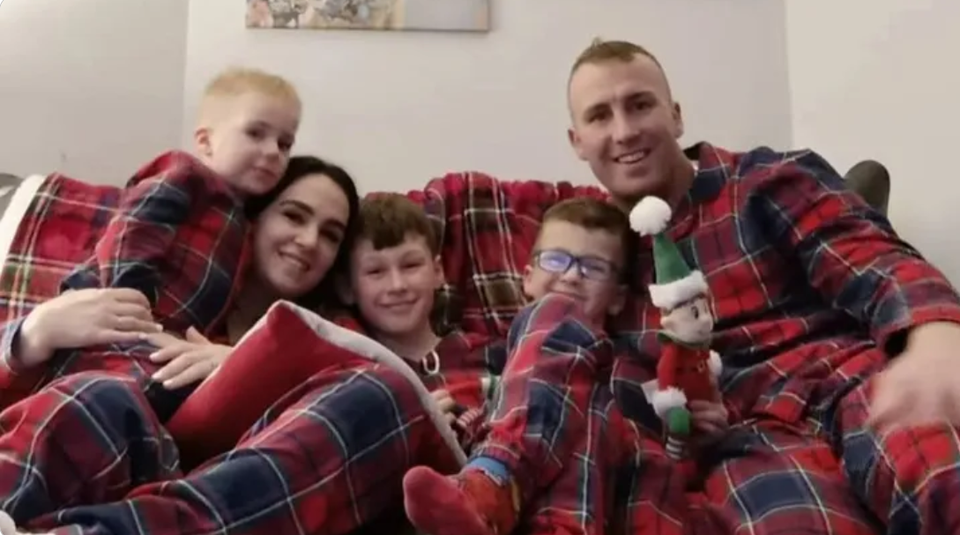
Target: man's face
{"points": [[626, 126]]}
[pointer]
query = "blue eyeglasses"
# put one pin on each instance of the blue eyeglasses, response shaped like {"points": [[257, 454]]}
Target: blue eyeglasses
{"points": [[589, 267]]}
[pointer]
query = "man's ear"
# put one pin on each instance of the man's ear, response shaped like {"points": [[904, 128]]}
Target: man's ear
{"points": [[576, 142], [678, 120], [201, 138]]}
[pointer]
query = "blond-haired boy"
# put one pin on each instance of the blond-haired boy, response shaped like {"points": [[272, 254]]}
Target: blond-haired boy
{"points": [[179, 234]]}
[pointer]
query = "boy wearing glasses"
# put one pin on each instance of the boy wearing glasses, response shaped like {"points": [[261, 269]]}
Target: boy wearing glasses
{"points": [[544, 438]]}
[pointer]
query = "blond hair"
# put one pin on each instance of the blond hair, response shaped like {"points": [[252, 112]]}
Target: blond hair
{"points": [[237, 81], [601, 51]]}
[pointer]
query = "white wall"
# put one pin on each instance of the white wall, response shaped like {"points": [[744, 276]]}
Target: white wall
{"points": [[397, 108], [95, 88], [91, 87], [878, 79]]}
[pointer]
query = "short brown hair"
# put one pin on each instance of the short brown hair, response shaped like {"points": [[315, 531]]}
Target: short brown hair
{"points": [[601, 51], [237, 81], [387, 219], [592, 214]]}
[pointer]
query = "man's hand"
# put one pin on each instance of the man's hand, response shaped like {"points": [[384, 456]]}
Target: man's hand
{"points": [[922, 385]]}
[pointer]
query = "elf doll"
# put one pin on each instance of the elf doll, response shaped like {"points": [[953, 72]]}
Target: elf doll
{"points": [[687, 367]]}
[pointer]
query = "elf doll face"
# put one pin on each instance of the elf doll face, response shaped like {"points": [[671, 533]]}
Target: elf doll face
{"points": [[690, 322]]}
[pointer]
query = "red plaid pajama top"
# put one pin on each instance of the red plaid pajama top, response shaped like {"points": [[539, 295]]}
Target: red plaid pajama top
{"points": [[178, 237], [804, 275]]}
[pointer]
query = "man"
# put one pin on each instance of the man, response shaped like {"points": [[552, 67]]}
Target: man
{"points": [[838, 339]]}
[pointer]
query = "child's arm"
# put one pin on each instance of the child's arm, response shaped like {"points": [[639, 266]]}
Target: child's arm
{"points": [[134, 244], [16, 380]]}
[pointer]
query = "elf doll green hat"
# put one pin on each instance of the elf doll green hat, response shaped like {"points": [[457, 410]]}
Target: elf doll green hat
{"points": [[675, 283]]}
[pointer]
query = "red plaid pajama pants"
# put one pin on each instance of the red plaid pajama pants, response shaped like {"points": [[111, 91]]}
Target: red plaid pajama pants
{"points": [[828, 474], [329, 460], [129, 360], [558, 430], [831, 474]]}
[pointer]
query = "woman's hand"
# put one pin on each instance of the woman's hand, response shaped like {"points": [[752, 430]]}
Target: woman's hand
{"points": [[189, 360], [83, 318]]}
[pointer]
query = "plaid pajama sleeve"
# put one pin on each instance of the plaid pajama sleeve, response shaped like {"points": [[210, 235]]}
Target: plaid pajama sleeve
{"points": [[850, 252], [13, 375], [85, 439], [134, 244], [177, 237], [331, 460], [543, 403], [58, 232]]}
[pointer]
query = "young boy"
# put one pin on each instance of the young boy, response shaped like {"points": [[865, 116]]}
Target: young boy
{"points": [[540, 431], [395, 272], [179, 234]]}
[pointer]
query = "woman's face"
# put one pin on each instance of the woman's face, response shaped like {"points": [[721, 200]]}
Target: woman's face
{"points": [[296, 239]]}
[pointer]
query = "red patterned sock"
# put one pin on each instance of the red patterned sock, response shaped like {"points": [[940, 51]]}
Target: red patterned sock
{"points": [[470, 503]]}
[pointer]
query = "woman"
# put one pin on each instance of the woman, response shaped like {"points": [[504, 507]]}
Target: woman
{"points": [[296, 243], [329, 460], [90, 438]]}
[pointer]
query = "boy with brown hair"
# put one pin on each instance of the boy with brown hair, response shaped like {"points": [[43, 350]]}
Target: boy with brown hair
{"points": [[395, 272], [545, 424], [179, 234]]}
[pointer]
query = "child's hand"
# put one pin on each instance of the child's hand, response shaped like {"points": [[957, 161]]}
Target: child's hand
{"points": [[710, 418], [446, 403]]}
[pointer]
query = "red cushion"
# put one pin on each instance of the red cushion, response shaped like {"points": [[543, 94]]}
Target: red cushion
{"points": [[280, 353]]}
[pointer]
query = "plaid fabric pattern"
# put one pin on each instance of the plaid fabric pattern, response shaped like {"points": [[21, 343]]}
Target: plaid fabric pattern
{"points": [[545, 392], [804, 278], [468, 366], [812, 290], [786, 480], [179, 237], [313, 466], [59, 230], [84, 439]]}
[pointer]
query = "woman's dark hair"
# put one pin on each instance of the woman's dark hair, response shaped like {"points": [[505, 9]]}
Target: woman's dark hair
{"points": [[297, 168]]}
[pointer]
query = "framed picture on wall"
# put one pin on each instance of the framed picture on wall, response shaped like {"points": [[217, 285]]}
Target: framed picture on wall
{"points": [[422, 15]]}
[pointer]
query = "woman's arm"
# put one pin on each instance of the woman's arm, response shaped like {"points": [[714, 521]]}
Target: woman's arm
{"points": [[75, 319]]}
